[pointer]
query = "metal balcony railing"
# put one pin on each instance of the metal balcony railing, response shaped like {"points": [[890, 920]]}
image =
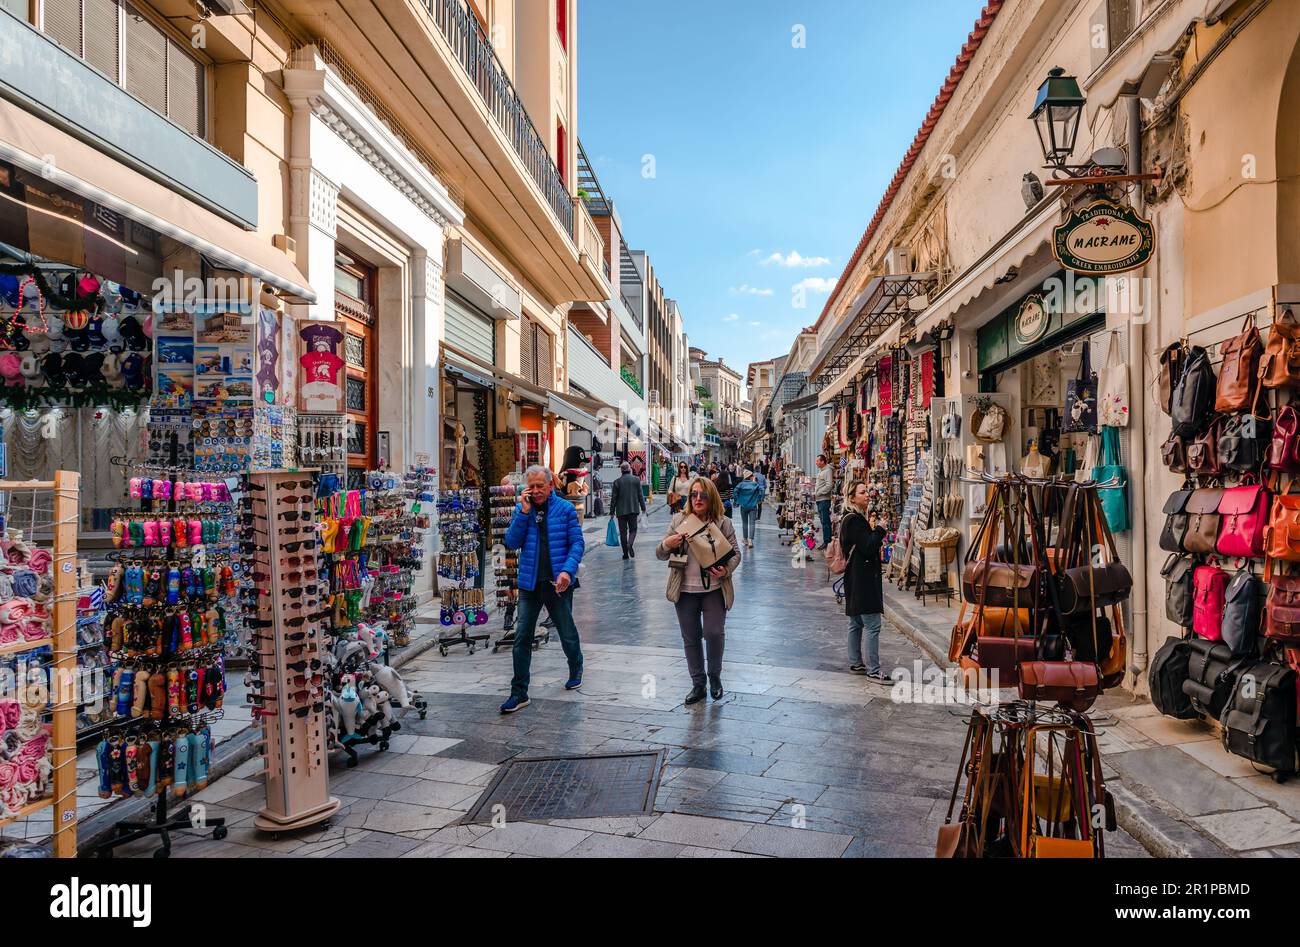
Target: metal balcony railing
{"points": [[470, 44]]}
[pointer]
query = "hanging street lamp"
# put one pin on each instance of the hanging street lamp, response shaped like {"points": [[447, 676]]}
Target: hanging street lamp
{"points": [[1056, 115]]}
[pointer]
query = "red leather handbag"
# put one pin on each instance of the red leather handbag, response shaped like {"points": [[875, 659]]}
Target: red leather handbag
{"points": [[1244, 512], [1284, 448], [1209, 583]]}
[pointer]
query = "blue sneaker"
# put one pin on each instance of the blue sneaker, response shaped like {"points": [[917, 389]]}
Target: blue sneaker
{"points": [[573, 683], [513, 704]]}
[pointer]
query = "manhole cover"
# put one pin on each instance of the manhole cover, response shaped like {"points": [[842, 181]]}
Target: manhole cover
{"points": [[571, 787]]}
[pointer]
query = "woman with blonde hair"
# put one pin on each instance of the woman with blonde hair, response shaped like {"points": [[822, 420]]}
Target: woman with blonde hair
{"points": [[702, 592], [864, 596]]}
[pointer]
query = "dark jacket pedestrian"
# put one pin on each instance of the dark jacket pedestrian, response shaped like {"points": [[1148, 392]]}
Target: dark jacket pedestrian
{"points": [[864, 598], [627, 502]]}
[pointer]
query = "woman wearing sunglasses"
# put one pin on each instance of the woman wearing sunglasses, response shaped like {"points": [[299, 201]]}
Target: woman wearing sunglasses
{"points": [[702, 596]]}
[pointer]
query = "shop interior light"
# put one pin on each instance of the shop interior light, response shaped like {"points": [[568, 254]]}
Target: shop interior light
{"points": [[1056, 115]]}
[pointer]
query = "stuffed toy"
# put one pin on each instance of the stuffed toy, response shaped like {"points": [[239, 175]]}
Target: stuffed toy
{"points": [[387, 678], [370, 703], [384, 704], [11, 369], [349, 706]]}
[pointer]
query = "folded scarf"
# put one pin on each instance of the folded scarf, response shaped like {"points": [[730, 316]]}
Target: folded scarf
{"points": [[40, 561]]}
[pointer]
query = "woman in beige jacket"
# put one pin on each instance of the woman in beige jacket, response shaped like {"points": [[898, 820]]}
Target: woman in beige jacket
{"points": [[702, 596]]}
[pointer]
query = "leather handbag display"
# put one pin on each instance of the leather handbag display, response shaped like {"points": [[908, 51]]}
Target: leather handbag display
{"points": [[1172, 361], [1239, 369], [1081, 398], [1284, 443], [1242, 442], [1176, 517], [1243, 603], [1003, 655], [1168, 671], [1173, 454], [1203, 451], [1179, 591], [1282, 534], [1193, 400], [1072, 684], [1279, 367], [1243, 512], [1259, 717], [1003, 623], [1003, 584], [1202, 520], [1209, 584], [1211, 675], [1282, 609]]}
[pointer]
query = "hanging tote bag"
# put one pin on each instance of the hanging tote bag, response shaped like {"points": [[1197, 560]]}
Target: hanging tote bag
{"points": [[1081, 398], [1114, 500], [611, 533], [1114, 391]]}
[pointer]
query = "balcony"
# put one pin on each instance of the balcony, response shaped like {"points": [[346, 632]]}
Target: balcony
{"points": [[590, 370], [437, 73], [591, 247]]}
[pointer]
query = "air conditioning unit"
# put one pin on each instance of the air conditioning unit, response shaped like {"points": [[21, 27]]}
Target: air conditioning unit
{"points": [[652, 397], [898, 261]]}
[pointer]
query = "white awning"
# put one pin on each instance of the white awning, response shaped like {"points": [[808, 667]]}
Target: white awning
{"points": [[27, 141], [572, 413], [1156, 35], [1032, 234]]}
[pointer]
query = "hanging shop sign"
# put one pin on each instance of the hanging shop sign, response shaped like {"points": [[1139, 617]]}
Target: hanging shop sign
{"points": [[1104, 237], [1031, 320]]}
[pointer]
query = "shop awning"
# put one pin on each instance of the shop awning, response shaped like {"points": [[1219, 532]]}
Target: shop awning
{"points": [[1160, 33], [28, 142], [468, 368], [881, 303], [572, 413], [800, 404], [524, 389], [1032, 234], [828, 394]]}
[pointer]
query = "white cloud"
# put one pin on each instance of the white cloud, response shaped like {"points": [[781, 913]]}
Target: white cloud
{"points": [[756, 323], [794, 259], [816, 284], [746, 290], [731, 318]]}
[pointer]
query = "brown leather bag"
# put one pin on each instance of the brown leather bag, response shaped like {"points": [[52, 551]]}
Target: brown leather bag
{"points": [[1279, 367], [1203, 520], [1282, 607], [1174, 454], [1003, 655], [1282, 534], [1072, 684], [1203, 451], [1239, 371], [1002, 584]]}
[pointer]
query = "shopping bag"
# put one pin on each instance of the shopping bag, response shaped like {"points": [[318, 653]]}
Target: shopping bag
{"points": [[1081, 398], [1114, 500], [1114, 390], [611, 533]]}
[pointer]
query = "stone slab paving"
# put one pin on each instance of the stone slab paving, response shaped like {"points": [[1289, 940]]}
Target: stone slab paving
{"points": [[799, 759]]}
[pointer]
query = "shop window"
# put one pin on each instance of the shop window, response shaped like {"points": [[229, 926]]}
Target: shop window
{"points": [[536, 354], [354, 304], [135, 52]]}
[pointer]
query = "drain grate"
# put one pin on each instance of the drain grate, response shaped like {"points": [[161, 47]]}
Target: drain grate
{"points": [[572, 787]]}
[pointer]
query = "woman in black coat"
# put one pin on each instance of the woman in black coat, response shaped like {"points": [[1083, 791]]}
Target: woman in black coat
{"points": [[864, 597]]}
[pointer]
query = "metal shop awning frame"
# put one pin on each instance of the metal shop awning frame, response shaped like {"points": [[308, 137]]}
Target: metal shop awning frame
{"points": [[882, 303]]}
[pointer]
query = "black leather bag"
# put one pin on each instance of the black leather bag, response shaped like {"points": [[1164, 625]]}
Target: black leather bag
{"points": [[1243, 442], [1166, 675], [1211, 675], [1180, 594], [1260, 716], [1088, 643], [1171, 537], [1243, 609], [1193, 400]]}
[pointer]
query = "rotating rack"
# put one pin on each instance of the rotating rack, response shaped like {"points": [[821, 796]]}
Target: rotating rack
{"points": [[460, 530], [61, 750]]}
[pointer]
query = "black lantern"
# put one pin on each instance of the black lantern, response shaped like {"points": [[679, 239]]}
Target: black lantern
{"points": [[1056, 116]]}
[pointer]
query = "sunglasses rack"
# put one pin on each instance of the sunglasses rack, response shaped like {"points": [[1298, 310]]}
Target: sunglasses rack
{"points": [[505, 562], [286, 609], [460, 533], [38, 718], [171, 621]]}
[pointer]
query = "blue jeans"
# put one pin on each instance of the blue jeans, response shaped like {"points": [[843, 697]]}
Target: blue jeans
{"points": [[748, 519], [560, 608], [871, 625], [824, 511]]}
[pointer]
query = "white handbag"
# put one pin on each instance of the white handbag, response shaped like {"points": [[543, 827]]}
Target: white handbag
{"points": [[1113, 405]]}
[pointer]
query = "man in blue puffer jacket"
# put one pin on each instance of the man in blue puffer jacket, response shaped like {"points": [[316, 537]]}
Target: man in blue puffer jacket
{"points": [[545, 528]]}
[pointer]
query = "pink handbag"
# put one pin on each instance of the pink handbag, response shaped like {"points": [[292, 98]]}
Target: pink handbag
{"points": [[1209, 584], [1244, 512]]}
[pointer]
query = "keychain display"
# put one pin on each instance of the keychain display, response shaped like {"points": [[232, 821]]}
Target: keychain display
{"points": [[461, 561], [150, 760]]}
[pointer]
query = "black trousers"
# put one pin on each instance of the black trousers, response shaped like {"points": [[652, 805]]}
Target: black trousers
{"points": [[627, 531]]}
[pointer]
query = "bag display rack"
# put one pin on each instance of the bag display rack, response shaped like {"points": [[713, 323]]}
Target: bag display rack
{"points": [[290, 656], [48, 634]]}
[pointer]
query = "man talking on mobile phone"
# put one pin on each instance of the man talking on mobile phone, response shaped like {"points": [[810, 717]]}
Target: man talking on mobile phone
{"points": [[546, 531]]}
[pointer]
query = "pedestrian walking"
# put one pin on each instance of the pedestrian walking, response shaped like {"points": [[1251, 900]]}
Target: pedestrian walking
{"points": [[748, 495], [678, 489], [702, 596], [545, 530], [725, 484], [823, 492], [628, 503], [864, 598], [761, 477]]}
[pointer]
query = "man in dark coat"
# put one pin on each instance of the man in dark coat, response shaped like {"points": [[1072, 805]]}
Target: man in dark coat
{"points": [[864, 600], [628, 502]]}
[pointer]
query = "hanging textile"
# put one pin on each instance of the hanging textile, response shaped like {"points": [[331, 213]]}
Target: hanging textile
{"points": [[927, 378], [886, 384]]}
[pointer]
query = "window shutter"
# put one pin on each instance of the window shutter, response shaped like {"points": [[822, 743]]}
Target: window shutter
{"points": [[185, 90], [527, 362], [62, 23], [146, 61], [545, 372], [101, 39]]}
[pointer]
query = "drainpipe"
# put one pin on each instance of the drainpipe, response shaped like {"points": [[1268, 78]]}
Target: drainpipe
{"points": [[1138, 456]]}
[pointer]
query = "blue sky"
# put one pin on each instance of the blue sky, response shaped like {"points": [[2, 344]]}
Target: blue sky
{"points": [[768, 160]]}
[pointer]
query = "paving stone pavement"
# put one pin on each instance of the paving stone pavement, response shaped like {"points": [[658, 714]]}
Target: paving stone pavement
{"points": [[800, 758]]}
